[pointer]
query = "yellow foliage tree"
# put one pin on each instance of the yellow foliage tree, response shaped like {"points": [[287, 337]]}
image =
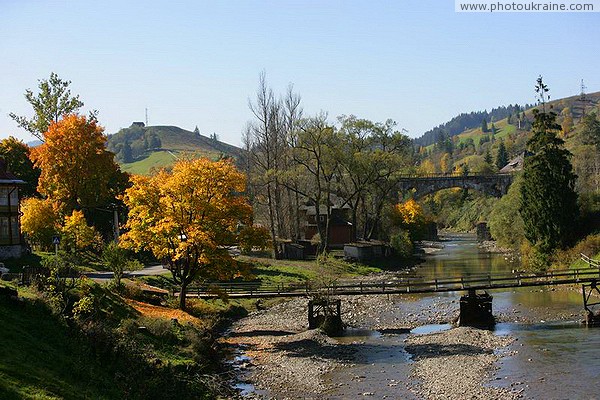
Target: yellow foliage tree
{"points": [[426, 167], [410, 212], [40, 221], [411, 217], [77, 170], [77, 235], [186, 218]]}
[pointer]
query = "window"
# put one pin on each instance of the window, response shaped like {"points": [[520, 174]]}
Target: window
{"points": [[14, 226], [3, 196], [14, 196], [4, 235]]}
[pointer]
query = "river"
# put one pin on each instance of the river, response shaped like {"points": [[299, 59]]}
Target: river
{"points": [[553, 357]]}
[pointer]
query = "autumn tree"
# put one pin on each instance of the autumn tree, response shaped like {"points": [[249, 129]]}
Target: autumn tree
{"points": [[18, 160], [77, 235], [77, 170], [548, 198], [40, 221], [187, 217], [567, 121], [53, 101]]}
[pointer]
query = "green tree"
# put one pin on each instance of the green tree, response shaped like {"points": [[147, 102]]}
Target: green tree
{"points": [[488, 157], [506, 224], [494, 129], [484, 126], [590, 131], [501, 156], [548, 198], [53, 101], [116, 260], [17, 157]]}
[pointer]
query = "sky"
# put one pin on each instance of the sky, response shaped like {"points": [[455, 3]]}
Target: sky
{"points": [[197, 63]]}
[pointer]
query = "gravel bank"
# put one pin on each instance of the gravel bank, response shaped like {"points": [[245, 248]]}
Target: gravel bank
{"points": [[454, 363]]}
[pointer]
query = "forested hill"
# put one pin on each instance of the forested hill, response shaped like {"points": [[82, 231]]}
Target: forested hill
{"points": [[140, 148], [465, 121]]}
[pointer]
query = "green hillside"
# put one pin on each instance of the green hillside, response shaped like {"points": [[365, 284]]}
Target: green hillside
{"points": [[139, 148], [513, 137]]}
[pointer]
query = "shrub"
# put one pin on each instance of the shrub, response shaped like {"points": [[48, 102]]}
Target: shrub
{"points": [[533, 258], [401, 243]]}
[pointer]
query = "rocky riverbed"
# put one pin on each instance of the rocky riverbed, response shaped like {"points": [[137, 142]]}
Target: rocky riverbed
{"points": [[285, 361]]}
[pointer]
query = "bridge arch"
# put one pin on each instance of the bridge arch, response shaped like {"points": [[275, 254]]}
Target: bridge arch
{"points": [[492, 184]]}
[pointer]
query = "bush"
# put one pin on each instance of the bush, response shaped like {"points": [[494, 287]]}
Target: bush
{"points": [[534, 259], [402, 244]]}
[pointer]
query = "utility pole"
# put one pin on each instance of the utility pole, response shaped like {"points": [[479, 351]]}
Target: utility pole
{"points": [[146, 116]]}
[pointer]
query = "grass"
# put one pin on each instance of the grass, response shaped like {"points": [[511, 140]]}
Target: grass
{"points": [[40, 359], [156, 159], [160, 159]]}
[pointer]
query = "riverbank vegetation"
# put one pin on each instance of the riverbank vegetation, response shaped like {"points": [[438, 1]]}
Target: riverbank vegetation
{"points": [[97, 343]]}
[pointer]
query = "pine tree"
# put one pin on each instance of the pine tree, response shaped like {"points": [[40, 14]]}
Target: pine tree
{"points": [[484, 126], [488, 157], [501, 156], [494, 129], [548, 198]]}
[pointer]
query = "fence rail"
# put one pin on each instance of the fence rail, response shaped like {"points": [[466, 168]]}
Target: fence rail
{"points": [[591, 262], [398, 286]]}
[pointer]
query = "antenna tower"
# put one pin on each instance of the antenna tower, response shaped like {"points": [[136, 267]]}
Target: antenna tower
{"points": [[147, 115], [583, 98]]}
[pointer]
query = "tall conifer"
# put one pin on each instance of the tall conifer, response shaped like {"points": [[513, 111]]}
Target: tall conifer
{"points": [[548, 198]]}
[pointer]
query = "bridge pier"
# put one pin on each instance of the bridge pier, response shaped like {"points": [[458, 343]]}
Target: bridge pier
{"points": [[326, 314], [592, 318], [476, 310]]}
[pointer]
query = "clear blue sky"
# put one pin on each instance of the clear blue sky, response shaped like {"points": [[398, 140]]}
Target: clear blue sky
{"points": [[197, 62]]}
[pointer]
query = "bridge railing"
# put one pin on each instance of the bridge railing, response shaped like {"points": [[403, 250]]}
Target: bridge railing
{"points": [[590, 261], [451, 175], [402, 285]]}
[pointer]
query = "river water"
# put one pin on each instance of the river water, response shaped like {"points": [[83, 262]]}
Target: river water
{"points": [[553, 357]]}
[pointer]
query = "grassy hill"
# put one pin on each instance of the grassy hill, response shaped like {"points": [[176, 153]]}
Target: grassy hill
{"points": [[139, 149]]}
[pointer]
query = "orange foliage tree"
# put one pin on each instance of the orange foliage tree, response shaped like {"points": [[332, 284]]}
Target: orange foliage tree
{"points": [[77, 170], [187, 217]]}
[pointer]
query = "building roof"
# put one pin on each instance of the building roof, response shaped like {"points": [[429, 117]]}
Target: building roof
{"points": [[7, 177], [515, 164]]}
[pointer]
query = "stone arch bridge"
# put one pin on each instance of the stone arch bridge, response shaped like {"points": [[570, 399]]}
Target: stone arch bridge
{"points": [[423, 184]]}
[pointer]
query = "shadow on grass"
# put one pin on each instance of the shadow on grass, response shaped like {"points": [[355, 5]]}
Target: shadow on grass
{"points": [[268, 272]]}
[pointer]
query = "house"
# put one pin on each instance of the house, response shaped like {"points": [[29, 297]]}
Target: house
{"points": [[514, 165], [11, 240], [340, 228]]}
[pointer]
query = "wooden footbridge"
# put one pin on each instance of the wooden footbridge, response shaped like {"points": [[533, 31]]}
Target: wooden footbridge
{"points": [[402, 285]]}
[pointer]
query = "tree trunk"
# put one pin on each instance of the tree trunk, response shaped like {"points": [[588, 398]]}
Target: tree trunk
{"points": [[182, 295], [275, 249]]}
